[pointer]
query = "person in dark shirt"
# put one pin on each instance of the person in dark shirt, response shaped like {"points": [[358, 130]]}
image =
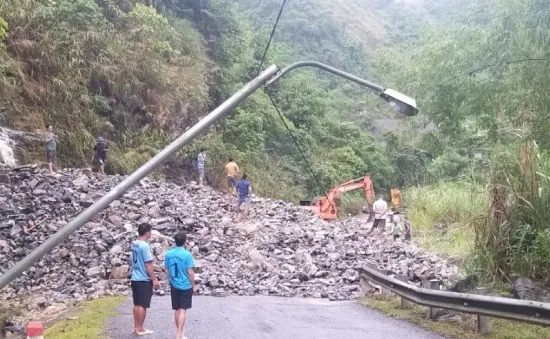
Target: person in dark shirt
{"points": [[100, 153], [243, 189]]}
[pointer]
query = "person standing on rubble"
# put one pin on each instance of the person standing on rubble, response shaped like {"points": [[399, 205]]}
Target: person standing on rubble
{"points": [[143, 279], [243, 188], [232, 171], [201, 158], [407, 229], [380, 208], [100, 153], [50, 141], [396, 226]]}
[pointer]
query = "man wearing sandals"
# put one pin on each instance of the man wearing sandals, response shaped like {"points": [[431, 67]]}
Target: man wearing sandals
{"points": [[144, 279]]}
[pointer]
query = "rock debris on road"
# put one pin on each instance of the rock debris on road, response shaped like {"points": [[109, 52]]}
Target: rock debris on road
{"points": [[260, 317], [284, 250]]}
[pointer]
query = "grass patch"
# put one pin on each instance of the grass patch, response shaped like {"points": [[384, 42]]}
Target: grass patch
{"points": [[464, 329], [442, 215], [352, 203], [92, 317], [455, 242]]}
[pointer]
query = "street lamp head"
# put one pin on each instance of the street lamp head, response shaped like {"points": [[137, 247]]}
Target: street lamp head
{"points": [[400, 102]]}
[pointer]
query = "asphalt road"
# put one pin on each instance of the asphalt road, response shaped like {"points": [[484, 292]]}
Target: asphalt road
{"points": [[267, 318]]}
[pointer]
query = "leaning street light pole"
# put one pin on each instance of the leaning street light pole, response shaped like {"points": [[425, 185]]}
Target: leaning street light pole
{"points": [[400, 102], [136, 176]]}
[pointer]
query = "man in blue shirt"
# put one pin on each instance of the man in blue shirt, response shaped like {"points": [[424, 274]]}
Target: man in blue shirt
{"points": [[143, 278], [179, 263], [243, 190]]}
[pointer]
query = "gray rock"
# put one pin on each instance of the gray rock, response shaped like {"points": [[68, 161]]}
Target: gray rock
{"points": [[288, 252], [256, 257], [334, 256], [15, 231], [118, 248], [525, 289], [5, 178], [96, 271], [290, 268], [120, 272], [80, 181]]}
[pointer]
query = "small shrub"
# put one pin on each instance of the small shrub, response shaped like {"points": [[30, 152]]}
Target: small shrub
{"points": [[514, 239]]}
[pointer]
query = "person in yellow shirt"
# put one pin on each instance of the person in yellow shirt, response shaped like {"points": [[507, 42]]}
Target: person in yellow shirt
{"points": [[232, 171]]}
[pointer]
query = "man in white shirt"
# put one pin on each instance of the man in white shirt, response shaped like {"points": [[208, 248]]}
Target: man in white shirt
{"points": [[380, 208]]}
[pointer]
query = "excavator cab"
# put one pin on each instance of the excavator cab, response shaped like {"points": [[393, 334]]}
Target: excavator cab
{"points": [[395, 195]]}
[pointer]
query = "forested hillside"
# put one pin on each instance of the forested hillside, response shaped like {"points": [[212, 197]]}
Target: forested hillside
{"points": [[153, 70], [475, 160], [481, 76]]}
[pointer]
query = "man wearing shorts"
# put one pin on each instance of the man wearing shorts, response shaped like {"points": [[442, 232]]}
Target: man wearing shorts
{"points": [[50, 141], [180, 263], [200, 165], [100, 153], [380, 208], [143, 278], [232, 171], [243, 189]]}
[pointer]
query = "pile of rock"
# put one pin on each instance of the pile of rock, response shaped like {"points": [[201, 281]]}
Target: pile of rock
{"points": [[282, 250]]}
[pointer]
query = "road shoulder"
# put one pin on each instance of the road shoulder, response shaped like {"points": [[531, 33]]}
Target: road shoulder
{"points": [[89, 320], [457, 326]]}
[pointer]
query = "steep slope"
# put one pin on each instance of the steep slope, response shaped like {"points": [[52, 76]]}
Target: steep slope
{"points": [[141, 74], [127, 72], [341, 33]]}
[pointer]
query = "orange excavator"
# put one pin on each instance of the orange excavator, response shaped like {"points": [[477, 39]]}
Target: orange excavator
{"points": [[327, 206]]}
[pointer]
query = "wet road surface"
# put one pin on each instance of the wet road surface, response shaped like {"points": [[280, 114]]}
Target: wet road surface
{"points": [[267, 318]]}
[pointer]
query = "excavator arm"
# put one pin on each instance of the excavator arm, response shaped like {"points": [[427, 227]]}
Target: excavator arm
{"points": [[327, 206]]}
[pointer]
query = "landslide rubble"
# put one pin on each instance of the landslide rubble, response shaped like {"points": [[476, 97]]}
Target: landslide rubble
{"points": [[283, 250]]}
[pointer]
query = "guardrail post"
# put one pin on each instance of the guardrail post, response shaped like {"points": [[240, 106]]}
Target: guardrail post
{"points": [[405, 304], [432, 285], [482, 320], [375, 267]]}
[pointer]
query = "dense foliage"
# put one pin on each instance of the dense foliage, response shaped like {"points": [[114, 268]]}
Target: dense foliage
{"points": [[72, 65], [481, 75], [141, 73]]}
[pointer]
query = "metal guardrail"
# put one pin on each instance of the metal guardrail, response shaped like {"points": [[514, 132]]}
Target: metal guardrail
{"points": [[534, 312]]}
